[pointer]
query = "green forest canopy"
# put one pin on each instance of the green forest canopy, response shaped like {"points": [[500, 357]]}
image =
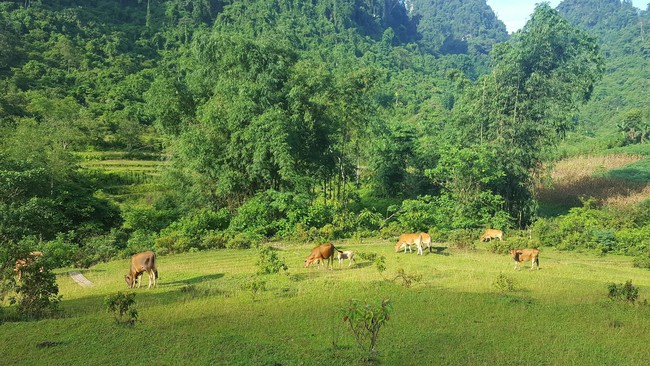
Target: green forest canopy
{"points": [[282, 118]]}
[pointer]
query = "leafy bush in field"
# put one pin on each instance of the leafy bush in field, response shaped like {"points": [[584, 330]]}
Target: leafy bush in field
{"points": [[37, 294], [407, 279], [623, 292], [123, 307], [633, 240], [241, 241], [214, 240], [642, 261], [365, 321], [504, 283], [604, 240], [268, 261], [463, 239]]}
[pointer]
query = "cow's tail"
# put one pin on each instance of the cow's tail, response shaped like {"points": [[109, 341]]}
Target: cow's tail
{"points": [[537, 261], [337, 249], [155, 268]]}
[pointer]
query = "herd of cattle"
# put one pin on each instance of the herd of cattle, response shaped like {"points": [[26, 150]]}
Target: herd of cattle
{"points": [[146, 261], [325, 252]]}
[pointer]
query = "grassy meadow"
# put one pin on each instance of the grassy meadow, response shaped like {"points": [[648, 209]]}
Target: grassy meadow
{"points": [[204, 312]]}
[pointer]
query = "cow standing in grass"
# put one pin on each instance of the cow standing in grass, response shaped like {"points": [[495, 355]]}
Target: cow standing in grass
{"points": [[419, 239], [490, 234], [521, 255], [320, 254], [140, 263], [349, 255]]}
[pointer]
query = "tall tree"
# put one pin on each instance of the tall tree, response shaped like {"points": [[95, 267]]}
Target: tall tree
{"points": [[523, 108]]}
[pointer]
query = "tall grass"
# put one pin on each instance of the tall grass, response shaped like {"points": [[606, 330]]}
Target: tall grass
{"points": [[202, 312], [611, 179]]}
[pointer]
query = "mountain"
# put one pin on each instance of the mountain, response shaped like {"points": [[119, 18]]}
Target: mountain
{"points": [[621, 30]]}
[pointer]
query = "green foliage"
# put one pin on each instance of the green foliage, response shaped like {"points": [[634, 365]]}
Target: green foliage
{"points": [[407, 279], [268, 261], [37, 293], [504, 283], [365, 321], [122, 305], [623, 292], [254, 285], [380, 263], [462, 238]]}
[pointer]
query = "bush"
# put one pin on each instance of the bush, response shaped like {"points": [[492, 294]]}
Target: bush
{"points": [[268, 261], [623, 292], [463, 238], [214, 240], [240, 241], [95, 250], [642, 261], [37, 294], [504, 283], [365, 321], [123, 307]]}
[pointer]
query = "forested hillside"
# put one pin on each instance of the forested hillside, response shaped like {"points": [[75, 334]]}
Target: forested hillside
{"points": [[619, 107], [285, 119]]}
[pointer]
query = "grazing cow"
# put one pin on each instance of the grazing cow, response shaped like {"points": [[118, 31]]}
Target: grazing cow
{"points": [[406, 240], [490, 234], [320, 254], [24, 262], [426, 241], [140, 263], [520, 255], [349, 255]]}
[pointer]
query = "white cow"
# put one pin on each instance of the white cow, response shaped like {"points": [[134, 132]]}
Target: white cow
{"points": [[349, 255]]}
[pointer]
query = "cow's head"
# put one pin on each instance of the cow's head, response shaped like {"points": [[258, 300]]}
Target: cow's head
{"points": [[515, 254], [130, 281], [399, 246], [308, 261]]}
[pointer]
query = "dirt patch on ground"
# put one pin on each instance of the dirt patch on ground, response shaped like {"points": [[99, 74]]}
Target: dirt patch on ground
{"points": [[80, 279]]}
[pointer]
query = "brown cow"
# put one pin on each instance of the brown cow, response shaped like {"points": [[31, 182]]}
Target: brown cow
{"points": [[491, 234], [24, 262], [520, 255], [140, 263], [320, 254], [418, 239]]}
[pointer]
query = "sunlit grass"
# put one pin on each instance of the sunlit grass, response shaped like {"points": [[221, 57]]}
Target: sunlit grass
{"points": [[201, 312]]}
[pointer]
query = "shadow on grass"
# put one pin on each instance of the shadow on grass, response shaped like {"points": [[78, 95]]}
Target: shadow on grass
{"points": [[193, 280]]}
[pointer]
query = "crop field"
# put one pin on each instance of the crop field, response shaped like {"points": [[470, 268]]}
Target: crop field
{"points": [[212, 307]]}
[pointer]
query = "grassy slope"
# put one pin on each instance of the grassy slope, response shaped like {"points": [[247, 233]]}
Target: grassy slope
{"points": [[559, 315]]}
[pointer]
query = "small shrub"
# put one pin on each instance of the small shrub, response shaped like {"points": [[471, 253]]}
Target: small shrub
{"points": [[504, 283], [123, 307], [463, 239], [255, 286], [365, 321], [623, 292], [407, 280], [239, 241], [366, 256], [642, 261], [214, 240], [380, 263], [268, 261]]}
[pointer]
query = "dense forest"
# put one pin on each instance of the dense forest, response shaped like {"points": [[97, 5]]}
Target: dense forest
{"points": [[310, 121]]}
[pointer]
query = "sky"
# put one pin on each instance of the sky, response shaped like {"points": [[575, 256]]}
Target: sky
{"points": [[515, 13]]}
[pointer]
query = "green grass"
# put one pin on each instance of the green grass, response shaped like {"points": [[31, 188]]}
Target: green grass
{"points": [[202, 314]]}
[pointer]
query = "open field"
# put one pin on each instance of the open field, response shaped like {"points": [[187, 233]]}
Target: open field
{"points": [[202, 312]]}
